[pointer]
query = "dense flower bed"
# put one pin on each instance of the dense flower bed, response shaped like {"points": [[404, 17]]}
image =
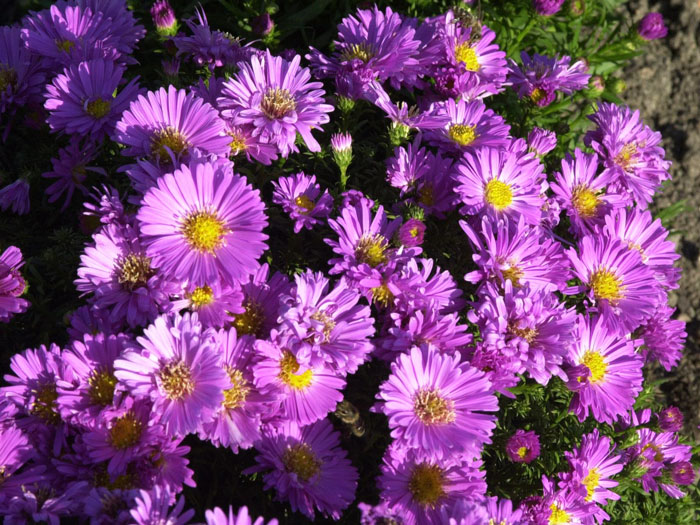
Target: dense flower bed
{"points": [[412, 277]]}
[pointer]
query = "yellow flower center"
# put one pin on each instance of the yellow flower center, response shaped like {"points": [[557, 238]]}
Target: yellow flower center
{"points": [[204, 231], [304, 202], [301, 460], [125, 431], [513, 274], [558, 516], [235, 396], [98, 108], [372, 250], [44, 405], [585, 201], [626, 156], [276, 103], [363, 51], [101, 387], [165, 138], [425, 195], [176, 380], [606, 285], [498, 194], [522, 452], [462, 134], [465, 53], [289, 366], [237, 141], [201, 296], [251, 320], [658, 455], [537, 95], [591, 482], [427, 484], [64, 45], [595, 363], [433, 409], [382, 295], [8, 78], [134, 271]]}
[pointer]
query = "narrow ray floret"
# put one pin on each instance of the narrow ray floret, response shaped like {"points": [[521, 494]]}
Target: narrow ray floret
{"points": [[300, 196], [203, 223], [12, 284]]}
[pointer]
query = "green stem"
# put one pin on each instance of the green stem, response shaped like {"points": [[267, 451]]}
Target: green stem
{"points": [[343, 178], [531, 23]]}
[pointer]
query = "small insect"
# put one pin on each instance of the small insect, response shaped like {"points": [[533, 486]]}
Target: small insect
{"points": [[471, 21], [350, 415]]}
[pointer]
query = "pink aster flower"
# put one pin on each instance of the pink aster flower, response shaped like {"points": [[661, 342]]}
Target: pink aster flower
{"points": [[245, 140], [166, 125], [523, 447], [670, 419], [500, 183], [411, 233], [541, 141], [215, 303], [652, 27], [203, 223], [662, 337], [12, 284], [153, 507], [606, 373], [81, 100], [541, 77], [547, 7], [307, 468], [217, 516], [435, 404], [277, 99], [179, 368], [301, 198]]}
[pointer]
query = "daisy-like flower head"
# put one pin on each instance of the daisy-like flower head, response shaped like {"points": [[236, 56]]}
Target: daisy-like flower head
{"points": [[411, 233], [436, 404], [12, 284], [408, 165], [275, 97], [606, 373], [207, 47], [670, 419], [203, 223], [500, 183], [124, 26], [81, 99], [304, 393], [15, 451], [153, 507], [663, 338], [215, 303], [615, 279], [516, 252], [523, 446], [21, 78], [122, 277], [301, 198], [630, 151], [427, 326], [237, 421], [642, 233], [217, 516], [430, 286], [541, 77], [583, 194], [166, 125], [419, 489], [372, 45], [470, 125], [652, 27], [557, 507], [179, 368], [541, 141], [307, 468], [244, 139]]}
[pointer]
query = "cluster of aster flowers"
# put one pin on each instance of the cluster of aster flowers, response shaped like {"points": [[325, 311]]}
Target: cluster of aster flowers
{"points": [[187, 329]]}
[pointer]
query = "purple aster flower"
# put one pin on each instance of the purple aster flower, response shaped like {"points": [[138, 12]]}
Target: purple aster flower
{"points": [[640, 232], [71, 169], [380, 513], [179, 368], [203, 223], [215, 304], [435, 404], [541, 141], [606, 373], [125, 283], [418, 488], [207, 47], [556, 506], [12, 284], [164, 18], [245, 140], [124, 26], [299, 196], [404, 117], [408, 166], [523, 447], [41, 502], [582, 192], [88, 320], [652, 27], [411, 233], [216, 516], [277, 99], [15, 451], [615, 280], [372, 45], [153, 508], [81, 100], [304, 394], [307, 467], [428, 285], [166, 125], [104, 506], [427, 325], [500, 183], [547, 7], [630, 151], [541, 77], [516, 252], [670, 419], [663, 338], [15, 197], [108, 206], [470, 125], [237, 421]]}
